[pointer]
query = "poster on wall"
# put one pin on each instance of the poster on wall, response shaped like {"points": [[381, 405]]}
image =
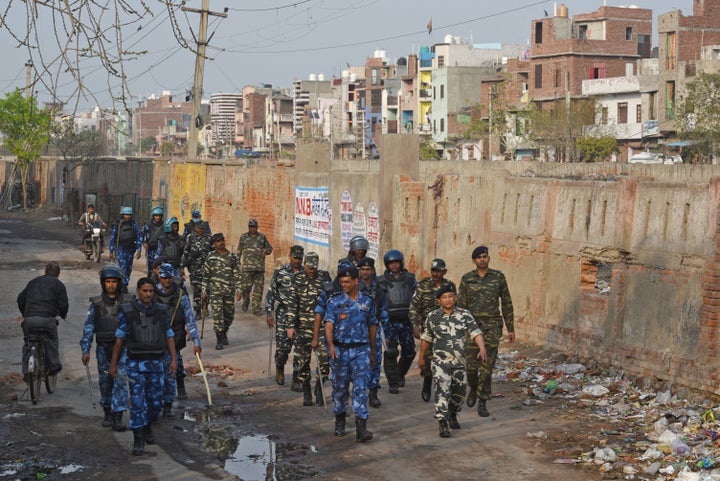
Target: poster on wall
{"points": [[313, 215], [346, 219], [359, 221], [373, 229]]}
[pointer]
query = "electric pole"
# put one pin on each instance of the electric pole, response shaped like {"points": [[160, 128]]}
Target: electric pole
{"points": [[202, 41], [28, 78]]}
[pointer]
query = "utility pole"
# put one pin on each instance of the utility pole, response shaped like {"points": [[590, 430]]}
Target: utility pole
{"points": [[202, 41], [28, 78]]}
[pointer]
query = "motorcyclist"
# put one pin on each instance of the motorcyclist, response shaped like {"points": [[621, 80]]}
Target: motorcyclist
{"points": [[89, 220]]}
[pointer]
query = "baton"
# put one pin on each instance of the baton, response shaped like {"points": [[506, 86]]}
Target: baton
{"points": [[320, 379], [202, 371], [92, 391], [382, 337], [272, 332], [203, 310], [121, 377]]}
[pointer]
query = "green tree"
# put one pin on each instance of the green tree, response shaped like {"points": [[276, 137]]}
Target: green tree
{"points": [[147, 144], [596, 149], [27, 131], [700, 105], [77, 148], [559, 126], [167, 149], [428, 152]]}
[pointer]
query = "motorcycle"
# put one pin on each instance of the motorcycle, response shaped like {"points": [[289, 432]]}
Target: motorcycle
{"points": [[93, 242]]}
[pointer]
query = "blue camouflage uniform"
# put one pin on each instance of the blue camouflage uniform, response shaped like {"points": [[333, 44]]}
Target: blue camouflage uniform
{"points": [[189, 324], [150, 233], [351, 321], [146, 372], [125, 241], [377, 294], [113, 392]]}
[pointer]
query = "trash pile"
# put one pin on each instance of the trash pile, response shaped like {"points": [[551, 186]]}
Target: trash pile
{"points": [[637, 434]]}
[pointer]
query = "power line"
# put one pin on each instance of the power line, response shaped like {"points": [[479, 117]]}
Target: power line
{"points": [[269, 9]]}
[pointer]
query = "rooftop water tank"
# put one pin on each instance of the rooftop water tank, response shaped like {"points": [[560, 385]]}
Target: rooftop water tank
{"points": [[563, 11]]}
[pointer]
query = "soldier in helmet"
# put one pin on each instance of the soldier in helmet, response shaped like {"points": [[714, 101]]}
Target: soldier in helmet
{"points": [[195, 220], [150, 233], [197, 248], [102, 322], [357, 250], [399, 286], [125, 240], [171, 244], [252, 249]]}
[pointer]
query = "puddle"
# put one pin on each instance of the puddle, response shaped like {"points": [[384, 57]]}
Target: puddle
{"points": [[259, 458]]}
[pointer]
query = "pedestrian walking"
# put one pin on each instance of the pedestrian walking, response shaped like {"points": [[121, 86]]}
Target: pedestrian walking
{"points": [[150, 233], [220, 287], [125, 241], [197, 248], [171, 245], [253, 246]]}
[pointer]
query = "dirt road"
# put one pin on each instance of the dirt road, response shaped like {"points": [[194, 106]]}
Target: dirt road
{"points": [[255, 428]]}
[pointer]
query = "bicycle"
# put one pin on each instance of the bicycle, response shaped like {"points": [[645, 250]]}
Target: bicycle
{"points": [[37, 365]]}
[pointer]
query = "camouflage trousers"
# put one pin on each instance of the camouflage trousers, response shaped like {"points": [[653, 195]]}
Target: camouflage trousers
{"points": [[113, 392], [150, 257], [222, 305], [170, 385], [283, 344], [479, 373], [374, 381], [252, 281], [426, 371], [145, 397], [196, 285], [125, 261], [352, 365], [304, 353], [400, 333], [450, 387]]}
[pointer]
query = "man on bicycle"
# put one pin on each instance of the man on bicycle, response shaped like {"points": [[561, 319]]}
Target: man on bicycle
{"points": [[44, 298]]}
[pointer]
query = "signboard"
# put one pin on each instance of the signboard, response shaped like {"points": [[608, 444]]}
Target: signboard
{"points": [[359, 222], [346, 219], [373, 229], [313, 215]]}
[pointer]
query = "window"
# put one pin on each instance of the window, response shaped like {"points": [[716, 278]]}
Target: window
{"points": [[582, 32], [557, 74], [670, 100], [538, 76], [442, 125], [638, 114], [441, 60], [538, 32], [597, 71], [442, 91], [604, 116], [622, 113], [376, 98], [628, 33], [671, 50], [374, 76], [434, 96]]}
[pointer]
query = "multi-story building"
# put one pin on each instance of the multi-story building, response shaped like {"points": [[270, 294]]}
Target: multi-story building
{"points": [[162, 119], [253, 125], [279, 123], [224, 128], [408, 99], [306, 103]]}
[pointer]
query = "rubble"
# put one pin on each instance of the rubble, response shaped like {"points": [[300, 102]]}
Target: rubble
{"points": [[645, 435]]}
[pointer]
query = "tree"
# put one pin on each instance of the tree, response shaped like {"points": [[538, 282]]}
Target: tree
{"points": [[558, 127], [167, 149], [27, 131], [147, 144], [77, 148], [428, 152], [700, 107], [596, 149]]}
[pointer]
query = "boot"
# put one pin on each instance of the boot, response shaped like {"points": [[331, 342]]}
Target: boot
{"points": [[117, 424], [444, 429], [107, 418], [472, 380], [138, 442], [340, 425], [167, 411], [319, 393], [453, 422], [149, 436], [482, 409], [245, 303], [219, 343], [472, 397], [280, 374], [373, 398], [426, 388], [296, 385], [404, 365], [361, 432], [181, 393], [307, 394], [224, 338], [390, 366]]}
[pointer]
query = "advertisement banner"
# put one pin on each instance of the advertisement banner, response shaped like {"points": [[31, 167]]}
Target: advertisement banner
{"points": [[313, 215]]}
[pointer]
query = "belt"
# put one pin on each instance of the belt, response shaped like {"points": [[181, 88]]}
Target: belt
{"points": [[349, 345]]}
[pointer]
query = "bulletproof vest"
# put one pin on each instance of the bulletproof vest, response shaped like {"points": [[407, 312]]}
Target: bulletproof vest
{"points": [[156, 230], [126, 235], [376, 292], [106, 321], [172, 300], [172, 249], [146, 331], [399, 294]]}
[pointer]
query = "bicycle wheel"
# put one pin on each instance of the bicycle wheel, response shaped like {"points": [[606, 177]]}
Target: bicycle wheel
{"points": [[35, 374]]}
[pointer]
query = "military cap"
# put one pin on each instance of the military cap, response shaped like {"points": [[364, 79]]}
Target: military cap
{"points": [[252, 223], [312, 260], [479, 250], [159, 260], [217, 237], [166, 270], [348, 271], [297, 252], [366, 261], [438, 265], [445, 288]]}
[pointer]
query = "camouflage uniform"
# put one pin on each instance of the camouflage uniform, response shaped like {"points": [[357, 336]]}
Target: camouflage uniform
{"points": [[252, 251], [150, 233], [483, 297], [220, 281], [377, 294], [351, 321], [277, 300], [125, 241], [448, 334], [422, 303], [304, 294], [194, 255]]}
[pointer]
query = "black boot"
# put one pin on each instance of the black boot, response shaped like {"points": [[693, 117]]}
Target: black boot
{"points": [[149, 436], [219, 343], [117, 424], [426, 388], [373, 398], [319, 400], [224, 338], [138, 442], [404, 365], [307, 394], [181, 393], [472, 397], [453, 422], [361, 432], [340, 425], [280, 374], [472, 378], [390, 365], [107, 418], [482, 409], [296, 385], [167, 411], [444, 429]]}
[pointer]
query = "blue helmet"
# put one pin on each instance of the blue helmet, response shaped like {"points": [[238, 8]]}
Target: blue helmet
{"points": [[157, 211], [110, 271], [195, 214], [126, 211], [392, 256], [167, 227]]}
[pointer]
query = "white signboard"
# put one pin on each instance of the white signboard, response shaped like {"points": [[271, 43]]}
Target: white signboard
{"points": [[313, 215], [346, 219], [373, 229]]}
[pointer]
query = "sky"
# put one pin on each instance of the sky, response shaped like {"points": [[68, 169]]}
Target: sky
{"points": [[277, 41]]}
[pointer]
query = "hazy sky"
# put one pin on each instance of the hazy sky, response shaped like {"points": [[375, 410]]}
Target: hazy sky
{"points": [[277, 41]]}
